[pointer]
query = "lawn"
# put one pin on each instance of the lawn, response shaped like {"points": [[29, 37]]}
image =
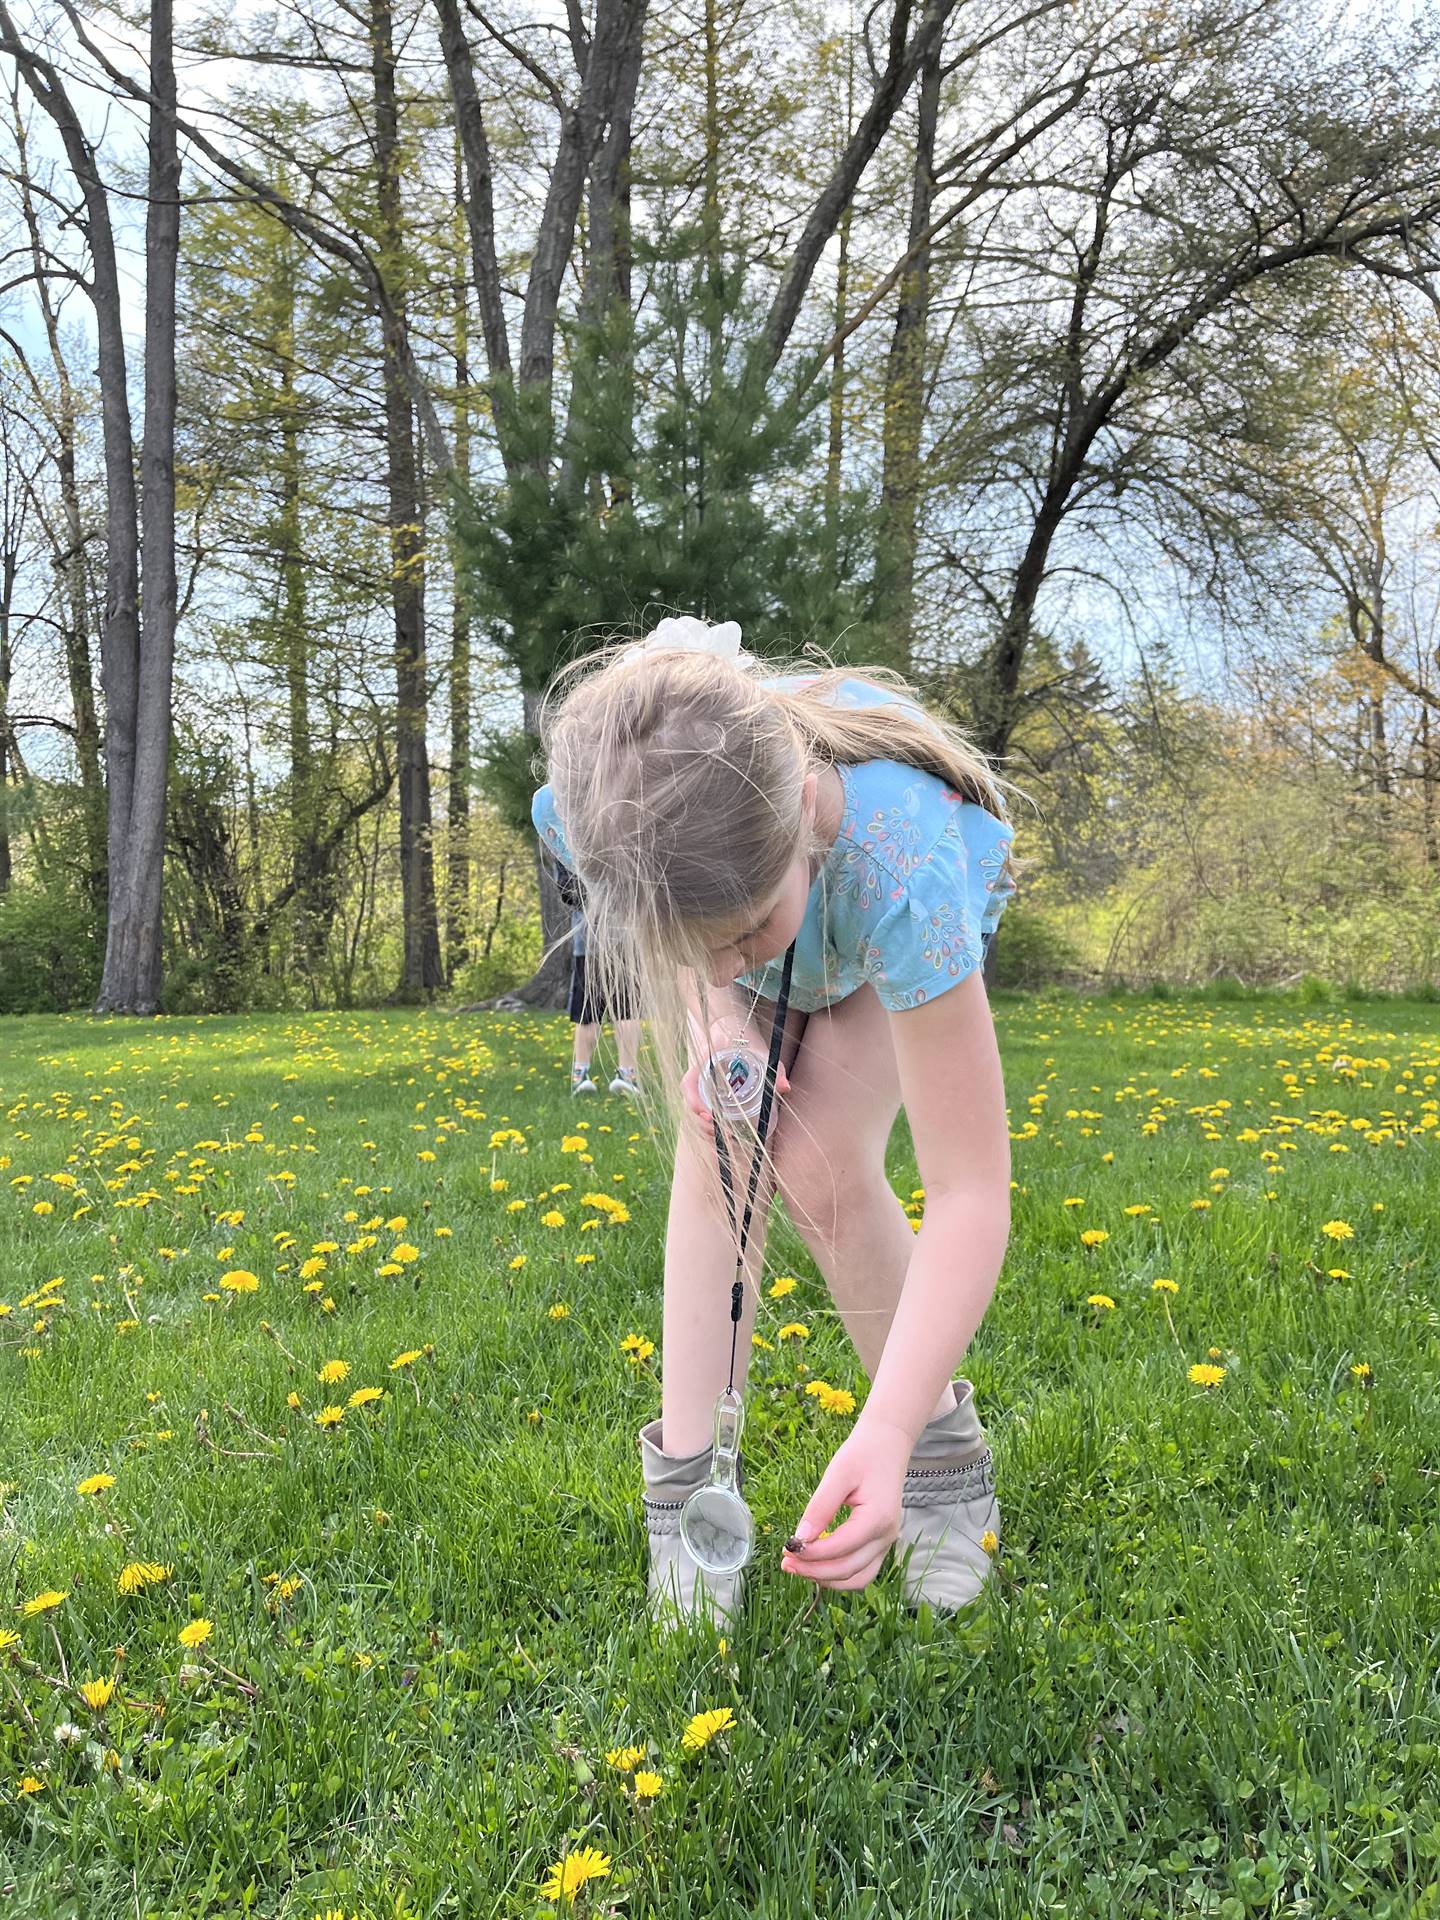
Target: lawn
{"points": [[282, 1352]]}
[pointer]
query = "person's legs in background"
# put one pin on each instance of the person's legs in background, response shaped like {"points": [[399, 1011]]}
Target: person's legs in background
{"points": [[627, 1046], [587, 1029]]}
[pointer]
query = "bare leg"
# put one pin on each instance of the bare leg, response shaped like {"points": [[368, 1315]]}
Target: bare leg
{"points": [[845, 1094], [586, 1036], [627, 1043]]}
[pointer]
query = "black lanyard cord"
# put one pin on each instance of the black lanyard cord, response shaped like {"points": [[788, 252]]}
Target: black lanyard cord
{"points": [[767, 1097]]}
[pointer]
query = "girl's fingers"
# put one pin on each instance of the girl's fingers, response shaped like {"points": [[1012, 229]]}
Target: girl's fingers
{"points": [[845, 1539], [856, 1541], [856, 1570]]}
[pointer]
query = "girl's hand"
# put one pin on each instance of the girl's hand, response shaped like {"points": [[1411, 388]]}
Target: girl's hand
{"points": [[866, 1474]]}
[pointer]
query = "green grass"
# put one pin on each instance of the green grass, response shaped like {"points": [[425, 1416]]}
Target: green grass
{"points": [[1204, 1680]]}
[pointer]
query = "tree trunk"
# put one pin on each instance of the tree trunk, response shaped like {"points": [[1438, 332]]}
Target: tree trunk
{"points": [[905, 388], [550, 983], [314, 898], [835, 455], [457, 809], [421, 971], [120, 636], [138, 682], [1429, 781]]}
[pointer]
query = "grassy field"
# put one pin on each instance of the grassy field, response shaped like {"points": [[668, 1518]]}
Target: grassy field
{"points": [[375, 1657]]}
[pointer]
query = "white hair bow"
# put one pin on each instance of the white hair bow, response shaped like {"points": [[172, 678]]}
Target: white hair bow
{"points": [[689, 635]]}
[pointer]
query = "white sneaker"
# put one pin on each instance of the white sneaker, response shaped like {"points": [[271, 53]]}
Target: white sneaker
{"points": [[625, 1081], [580, 1081]]}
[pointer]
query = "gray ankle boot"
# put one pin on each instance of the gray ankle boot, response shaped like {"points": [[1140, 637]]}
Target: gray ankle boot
{"points": [[679, 1588], [947, 1505]]}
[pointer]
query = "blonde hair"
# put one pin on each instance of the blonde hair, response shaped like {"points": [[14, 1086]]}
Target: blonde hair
{"points": [[678, 778]]}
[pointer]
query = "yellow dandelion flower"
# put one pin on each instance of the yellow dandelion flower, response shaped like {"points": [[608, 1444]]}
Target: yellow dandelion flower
{"points": [[96, 1693], [309, 1268], [136, 1575], [333, 1370], [1094, 1237], [647, 1785], [1164, 1286], [362, 1396], [1205, 1375], [794, 1330], [1073, 1201], [574, 1143], [559, 1311], [397, 1225], [1098, 1300], [837, 1400], [1338, 1230], [517, 1263], [989, 1541], [239, 1281], [1199, 1206], [406, 1359], [569, 1875], [782, 1286], [196, 1633], [624, 1759], [703, 1728], [1361, 1370], [30, 1785], [404, 1253], [329, 1416], [554, 1218], [45, 1602], [97, 1483]]}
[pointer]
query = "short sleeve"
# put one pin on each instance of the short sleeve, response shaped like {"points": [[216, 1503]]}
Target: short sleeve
{"points": [[547, 825], [935, 933]]}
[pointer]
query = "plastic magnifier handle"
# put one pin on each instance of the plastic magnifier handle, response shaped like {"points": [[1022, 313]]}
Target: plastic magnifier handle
{"points": [[729, 1425]]}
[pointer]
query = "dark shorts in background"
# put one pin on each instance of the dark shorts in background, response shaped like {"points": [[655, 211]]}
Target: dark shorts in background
{"points": [[588, 1012]]}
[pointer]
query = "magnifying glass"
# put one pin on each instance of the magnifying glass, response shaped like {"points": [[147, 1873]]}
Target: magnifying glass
{"points": [[715, 1523]]}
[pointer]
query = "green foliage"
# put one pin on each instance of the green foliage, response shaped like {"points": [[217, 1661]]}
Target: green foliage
{"points": [[1032, 951], [700, 511], [52, 948], [513, 956], [506, 773]]}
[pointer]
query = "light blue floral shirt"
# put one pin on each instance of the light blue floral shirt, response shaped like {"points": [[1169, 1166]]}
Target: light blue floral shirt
{"points": [[905, 899]]}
